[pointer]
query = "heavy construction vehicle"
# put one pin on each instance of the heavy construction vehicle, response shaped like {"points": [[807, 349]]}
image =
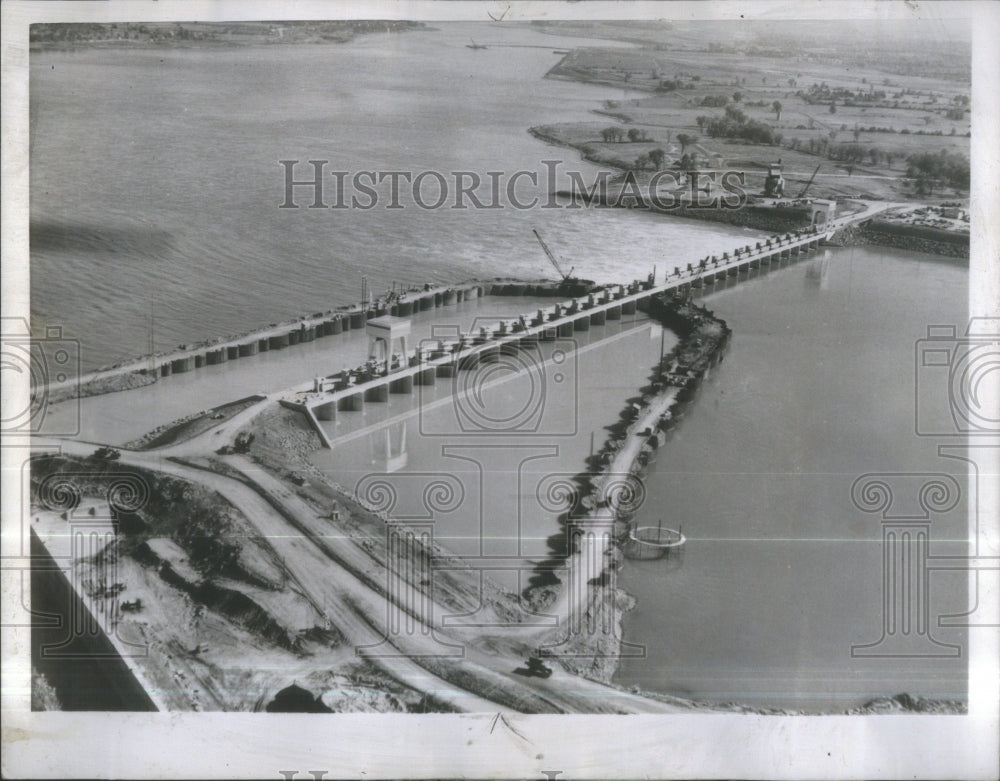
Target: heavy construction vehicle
{"points": [[568, 285]]}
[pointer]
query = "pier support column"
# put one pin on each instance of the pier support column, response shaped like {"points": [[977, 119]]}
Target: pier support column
{"points": [[402, 385], [510, 347], [614, 313], [353, 403], [582, 323], [326, 411], [628, 308], [467, 362], [425, 376], [597, 318], [377, 393]]}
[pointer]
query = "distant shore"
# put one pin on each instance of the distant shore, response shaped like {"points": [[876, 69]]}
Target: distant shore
{"points": [[55, 37]]}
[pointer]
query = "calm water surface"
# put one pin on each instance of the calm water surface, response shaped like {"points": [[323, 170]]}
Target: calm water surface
{"points": [[782, 573], [156, 185]]}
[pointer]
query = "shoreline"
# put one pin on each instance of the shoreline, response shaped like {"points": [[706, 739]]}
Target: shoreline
{"points": [[141, 370], [216, 35], [607, 507], [627, 451]]}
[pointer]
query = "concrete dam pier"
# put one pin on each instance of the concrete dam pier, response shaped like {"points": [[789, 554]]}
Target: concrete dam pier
{"points": [[389, 372], [321, 325]]}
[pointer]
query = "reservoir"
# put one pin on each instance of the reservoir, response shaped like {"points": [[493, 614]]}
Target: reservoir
{"points": [[189, 230], [781, 573], [505, 438]]}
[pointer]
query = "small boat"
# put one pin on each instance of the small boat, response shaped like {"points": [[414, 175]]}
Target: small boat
{"points": [[475, 45]]}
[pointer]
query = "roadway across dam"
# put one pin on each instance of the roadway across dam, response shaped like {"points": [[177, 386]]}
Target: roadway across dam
{"points": [[324, 398]]}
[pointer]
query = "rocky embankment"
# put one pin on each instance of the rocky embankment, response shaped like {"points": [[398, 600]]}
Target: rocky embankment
{"points": [[934, 241], [672, 387], [883, 233]]}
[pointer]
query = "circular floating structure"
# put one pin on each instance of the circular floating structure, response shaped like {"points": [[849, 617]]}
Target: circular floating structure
{"points": [[653, 542]]}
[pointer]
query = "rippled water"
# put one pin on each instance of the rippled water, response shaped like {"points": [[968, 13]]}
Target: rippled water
{"points": [[156, 186]]}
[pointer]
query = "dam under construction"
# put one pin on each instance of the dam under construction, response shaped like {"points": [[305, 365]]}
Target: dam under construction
{"points": [[399, 373], [589, 500]]}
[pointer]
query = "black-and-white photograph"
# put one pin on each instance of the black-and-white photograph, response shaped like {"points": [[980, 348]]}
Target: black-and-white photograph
{"points": [[491, 363]]}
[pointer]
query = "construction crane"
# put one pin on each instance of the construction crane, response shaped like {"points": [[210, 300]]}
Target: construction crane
{"points": [[803, 193], [568, 285], [552, 258]]}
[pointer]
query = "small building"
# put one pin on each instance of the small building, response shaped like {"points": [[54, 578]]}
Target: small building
{"points": [[774, 183], [383, 333]]}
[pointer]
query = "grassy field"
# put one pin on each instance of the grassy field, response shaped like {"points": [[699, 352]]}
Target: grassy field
{"points": [[854, 104]]}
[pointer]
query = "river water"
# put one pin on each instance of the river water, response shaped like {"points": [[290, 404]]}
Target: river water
{"points": [[782, 573], [156, 187], [505, 439]]}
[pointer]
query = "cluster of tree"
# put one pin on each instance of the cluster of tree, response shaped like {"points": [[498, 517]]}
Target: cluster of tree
{"points": [[688, 162], [714, 101], [617, 135], [890, 129], [652, 159], [57, 33], [823, 93], [669, 85], [126, 31], [855, 154], [849, 153], [164, 31], [736, 124], [929, 167], [686, 140], [906, 131]]}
